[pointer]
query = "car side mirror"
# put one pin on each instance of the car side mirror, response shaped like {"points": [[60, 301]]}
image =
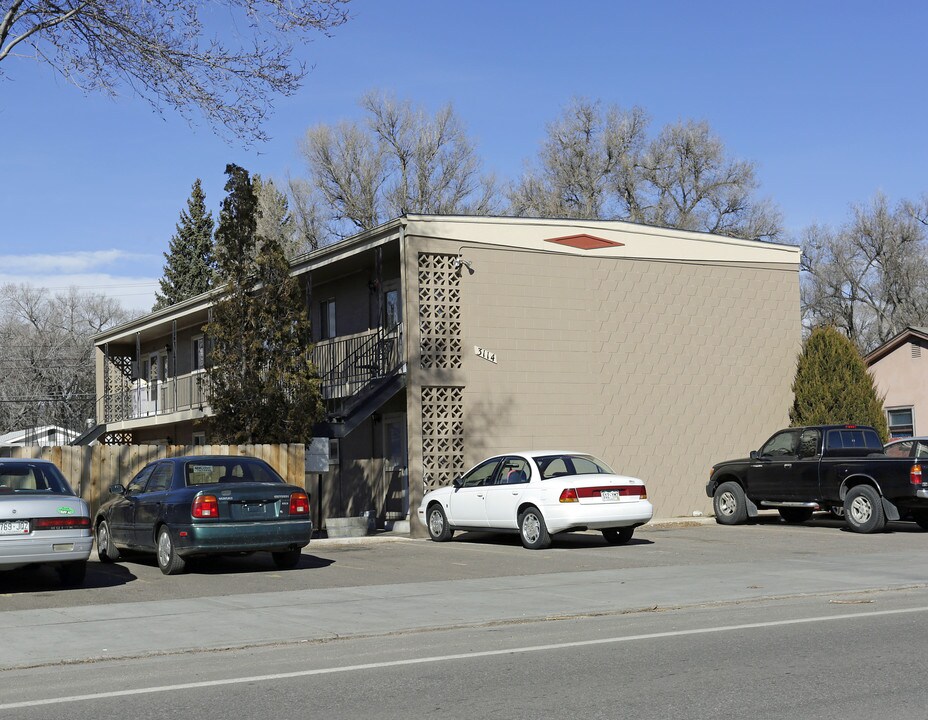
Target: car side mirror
{"points": [[117, 489], [753, 454], [457, 482]]}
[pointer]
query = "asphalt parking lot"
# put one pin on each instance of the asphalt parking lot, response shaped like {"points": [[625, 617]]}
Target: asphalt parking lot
{"points": [[385, 559]]}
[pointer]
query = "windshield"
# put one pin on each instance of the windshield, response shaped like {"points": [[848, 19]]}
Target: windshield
{"points": [[208, 471], [32, 478], [552, 466]]}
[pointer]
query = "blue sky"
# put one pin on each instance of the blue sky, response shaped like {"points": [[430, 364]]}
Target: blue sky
{"points": [[827, 98]]}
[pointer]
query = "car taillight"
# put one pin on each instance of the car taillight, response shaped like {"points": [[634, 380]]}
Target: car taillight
{"points": [[915, 474], [299, 504], [568, 495], [205, 506], [60, 523]]}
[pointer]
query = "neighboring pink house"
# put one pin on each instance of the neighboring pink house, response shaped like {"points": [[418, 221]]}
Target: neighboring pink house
{"points": [[900, 369]]}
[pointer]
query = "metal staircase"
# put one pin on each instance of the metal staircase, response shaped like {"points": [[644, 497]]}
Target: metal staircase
{"points": [[359, 374]]}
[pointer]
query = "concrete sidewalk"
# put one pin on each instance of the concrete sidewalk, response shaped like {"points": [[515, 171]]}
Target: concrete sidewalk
{"points": [[92, 633]]}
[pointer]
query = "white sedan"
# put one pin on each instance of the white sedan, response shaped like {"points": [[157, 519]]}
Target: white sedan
{"points": [[42, 521], [538, 494]]}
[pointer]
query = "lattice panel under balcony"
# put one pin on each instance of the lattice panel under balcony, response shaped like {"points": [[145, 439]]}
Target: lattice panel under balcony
{"points": [[442, 435], [439, 311], [117, 378]]}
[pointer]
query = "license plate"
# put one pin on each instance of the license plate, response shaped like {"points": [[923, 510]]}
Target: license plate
{"points": [[611, 495], [254, 508], [14, 527]]}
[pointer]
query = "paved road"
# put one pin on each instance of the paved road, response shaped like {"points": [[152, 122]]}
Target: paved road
{"points": [[813, 657], [402, 601]]}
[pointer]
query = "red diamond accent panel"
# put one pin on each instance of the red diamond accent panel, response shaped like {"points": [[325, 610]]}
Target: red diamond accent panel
{"points": [[584, 242]]}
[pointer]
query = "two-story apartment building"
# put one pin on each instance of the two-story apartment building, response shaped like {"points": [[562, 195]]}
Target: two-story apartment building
{"points": [[443, 339]]}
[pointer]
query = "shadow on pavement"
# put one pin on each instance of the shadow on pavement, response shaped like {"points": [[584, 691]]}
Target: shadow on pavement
{"points": [[38, 578], [827, 520], [562, 541], [258, 562]]}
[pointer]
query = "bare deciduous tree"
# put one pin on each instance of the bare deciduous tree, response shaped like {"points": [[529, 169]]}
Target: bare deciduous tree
{"points": [[163, 50], [401, 160], [47, 372], [599, 163], [867, 277], [274, 219]]}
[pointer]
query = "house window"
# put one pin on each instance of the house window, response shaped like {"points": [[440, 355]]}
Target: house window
{"points": [[199, 353], [199, 438], [327, 318], [391, 308], [901, 422]]}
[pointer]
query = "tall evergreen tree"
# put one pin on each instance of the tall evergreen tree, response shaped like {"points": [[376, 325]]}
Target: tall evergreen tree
{"points": [[263, 386], [833, 385], [189, 265]]}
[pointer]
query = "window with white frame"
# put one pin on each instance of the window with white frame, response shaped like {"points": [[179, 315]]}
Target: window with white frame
{"points": [[199, 438], [901, 422]]}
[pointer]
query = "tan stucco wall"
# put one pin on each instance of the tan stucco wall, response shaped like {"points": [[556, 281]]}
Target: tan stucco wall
{"points": [[658, 367], [904, 381]]}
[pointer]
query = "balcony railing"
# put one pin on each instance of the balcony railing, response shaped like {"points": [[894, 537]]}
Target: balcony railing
{"points": [[158, 397], [348, 364]]}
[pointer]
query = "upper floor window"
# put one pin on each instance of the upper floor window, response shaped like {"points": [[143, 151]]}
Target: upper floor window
{"points": [[391, 308], [327, 318], [199, 353], [901, 422]]}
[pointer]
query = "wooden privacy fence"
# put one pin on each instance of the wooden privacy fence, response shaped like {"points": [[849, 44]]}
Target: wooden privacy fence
{"points": [[92, 469]]}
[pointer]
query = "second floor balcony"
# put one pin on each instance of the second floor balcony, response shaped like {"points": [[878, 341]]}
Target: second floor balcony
{"points": [[149, 398], [346, 365]]}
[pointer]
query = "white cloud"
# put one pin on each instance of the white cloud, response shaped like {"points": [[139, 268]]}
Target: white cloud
{"points": [[73, 262], [127, 277], [134, 293]]}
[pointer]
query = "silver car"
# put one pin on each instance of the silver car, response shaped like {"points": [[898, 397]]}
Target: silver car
{"points": [[42, 521]]}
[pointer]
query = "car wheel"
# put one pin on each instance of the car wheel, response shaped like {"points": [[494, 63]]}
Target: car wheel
{"points": [[168, 560], [287, 559], [618, 536], [72, 573], [863, 510], [729, 504], [439, 530], [106, 550], [795, 515], [533, 530]]}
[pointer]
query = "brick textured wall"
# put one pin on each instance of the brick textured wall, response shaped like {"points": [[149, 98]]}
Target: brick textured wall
{"points": [[659, 368]]}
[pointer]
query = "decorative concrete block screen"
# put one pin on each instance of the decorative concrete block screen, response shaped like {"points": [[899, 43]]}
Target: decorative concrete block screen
{"points": [[442, 435], [439, 311]]}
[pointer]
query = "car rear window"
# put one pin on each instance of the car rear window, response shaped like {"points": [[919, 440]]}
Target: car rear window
{"points": [[210, 471], [552, 466], [27, 478], [853, 439]]}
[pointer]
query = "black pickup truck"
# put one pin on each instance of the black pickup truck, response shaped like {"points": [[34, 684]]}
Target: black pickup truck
{"points": [[840, 468]]}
